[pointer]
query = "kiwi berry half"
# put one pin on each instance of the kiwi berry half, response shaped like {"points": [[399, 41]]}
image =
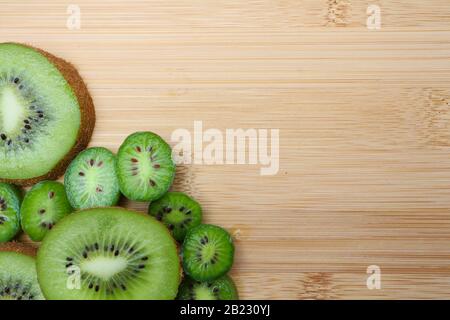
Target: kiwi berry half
{"points": [[178, 212], [208, 252], [222, 288], [107, 254], [10, 199], [145, 167], [43, 206], [46, 114], [18, 278], [91, 179]]}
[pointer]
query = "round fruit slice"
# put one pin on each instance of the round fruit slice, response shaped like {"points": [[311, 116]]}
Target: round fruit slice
{"points": [[9, 211], [219, 289], [18, 279], [91, 179], [208, 252], [145, 167], [43, 206], [109, 253], [46, 114], [178, 212]]}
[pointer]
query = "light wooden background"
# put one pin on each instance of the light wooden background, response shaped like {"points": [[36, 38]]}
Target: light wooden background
{"points": [[364, 118]]}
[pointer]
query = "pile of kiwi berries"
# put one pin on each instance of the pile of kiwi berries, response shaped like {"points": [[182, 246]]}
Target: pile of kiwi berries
{"points": [[83, 245]]}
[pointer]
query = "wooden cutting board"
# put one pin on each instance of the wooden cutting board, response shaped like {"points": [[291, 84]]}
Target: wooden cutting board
{"points": [[363, 114]]}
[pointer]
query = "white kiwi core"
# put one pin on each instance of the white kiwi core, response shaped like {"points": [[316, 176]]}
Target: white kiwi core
{"points": [[104, 267], [12, 109]]}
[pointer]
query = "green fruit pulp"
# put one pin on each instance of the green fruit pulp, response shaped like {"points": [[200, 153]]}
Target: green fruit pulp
{"points": [[39, 113], [107, 254]]}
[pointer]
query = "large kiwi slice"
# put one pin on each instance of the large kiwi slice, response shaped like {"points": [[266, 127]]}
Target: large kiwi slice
{"points": [[109, 253], [91, 179], [18, 279], [145, 167], [43, 206], [208, 252], [10, 199], [46, 114], [178, 212], [219, 289]]}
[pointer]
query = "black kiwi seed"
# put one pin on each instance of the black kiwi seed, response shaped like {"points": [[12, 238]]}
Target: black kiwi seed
{"points": [[3, 136], [16, 80], [51, 194]]}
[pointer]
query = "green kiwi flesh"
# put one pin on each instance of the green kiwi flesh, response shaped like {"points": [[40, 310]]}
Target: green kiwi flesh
{"points": [[109, 254], [208, 252], [222, 288], [145, 167], [178, 212], [42, 207], [91, 179], [46, 114], [10, 200], [18, 279]]}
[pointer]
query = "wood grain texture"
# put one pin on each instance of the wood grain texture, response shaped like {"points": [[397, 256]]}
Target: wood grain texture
{"points": [[364, 119]]}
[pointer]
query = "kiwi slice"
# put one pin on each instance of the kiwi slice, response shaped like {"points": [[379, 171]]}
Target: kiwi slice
{"points": [[208, 252], [18, 278], [178, 212], [222, 288], [46, 114], [145, 167], [109, 253], [10, 199], [43, 206], [91, 179]]}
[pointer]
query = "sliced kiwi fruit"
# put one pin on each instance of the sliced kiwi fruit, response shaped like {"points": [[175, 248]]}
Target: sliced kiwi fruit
{"points": [[10, 199], [145, 167], [108, 254], [18, 278], [222, 288], [46, 114], [178, 212], [91, 179], [208, 252], [43, 206]]}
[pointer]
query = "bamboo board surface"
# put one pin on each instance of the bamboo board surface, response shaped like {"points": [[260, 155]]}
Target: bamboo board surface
{"points": [[364, 119]]}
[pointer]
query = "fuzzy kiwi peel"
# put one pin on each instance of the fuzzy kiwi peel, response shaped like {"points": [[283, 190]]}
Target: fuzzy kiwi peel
{"points": [[53, 158]]}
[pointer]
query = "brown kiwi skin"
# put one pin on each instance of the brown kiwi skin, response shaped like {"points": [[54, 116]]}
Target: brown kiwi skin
{"points": [[18, 247], [87, 123]]}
